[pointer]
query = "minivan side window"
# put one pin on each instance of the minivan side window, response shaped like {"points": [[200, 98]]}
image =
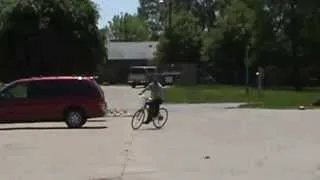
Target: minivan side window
{"points": [[42, 89], [84, 87], [60, 88], [16, 91], [74, 88]]}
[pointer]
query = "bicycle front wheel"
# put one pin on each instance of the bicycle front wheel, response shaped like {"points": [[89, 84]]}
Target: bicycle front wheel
{"points": [[138, 119], [162, 120]]}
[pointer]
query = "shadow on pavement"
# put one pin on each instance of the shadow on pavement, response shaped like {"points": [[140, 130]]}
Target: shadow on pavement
{"points": [[150, 129], [97, 120], [50, 128]]}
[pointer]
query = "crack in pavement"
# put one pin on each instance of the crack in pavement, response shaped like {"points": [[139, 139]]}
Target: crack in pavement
{"points": [[114, 178], [141, 172], [127, 151]]}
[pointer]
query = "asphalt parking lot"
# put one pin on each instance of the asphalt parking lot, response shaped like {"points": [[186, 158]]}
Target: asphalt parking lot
{"points": [[202, 142]]}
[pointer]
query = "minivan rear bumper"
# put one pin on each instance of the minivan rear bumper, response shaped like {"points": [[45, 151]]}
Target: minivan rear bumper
{"points": [[99, 111]]}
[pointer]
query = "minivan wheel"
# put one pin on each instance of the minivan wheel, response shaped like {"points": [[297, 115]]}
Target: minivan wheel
{"points": [[75, 119]]}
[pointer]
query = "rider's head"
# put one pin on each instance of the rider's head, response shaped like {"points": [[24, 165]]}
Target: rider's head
{"points": [[154, 79], [149, 77]]}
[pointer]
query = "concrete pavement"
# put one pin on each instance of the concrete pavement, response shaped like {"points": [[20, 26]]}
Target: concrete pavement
{"points": [[241, 144], [202, 142]]}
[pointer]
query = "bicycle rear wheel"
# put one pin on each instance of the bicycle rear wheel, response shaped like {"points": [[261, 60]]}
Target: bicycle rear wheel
{"points": [[138, 119], [162, 120]]}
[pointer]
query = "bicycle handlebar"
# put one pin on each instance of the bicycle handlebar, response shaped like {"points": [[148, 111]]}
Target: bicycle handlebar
{"points": [[144, 97]]}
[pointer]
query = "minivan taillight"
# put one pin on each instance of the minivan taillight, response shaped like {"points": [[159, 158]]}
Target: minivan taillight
{"points": [[103, 106], [102, 96], [100, 91]]}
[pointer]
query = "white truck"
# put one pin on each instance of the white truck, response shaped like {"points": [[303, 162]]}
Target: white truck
{"points": [[139, 75]]}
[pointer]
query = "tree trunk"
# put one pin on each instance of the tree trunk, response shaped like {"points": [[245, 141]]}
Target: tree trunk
{"points": [[294, 38]]}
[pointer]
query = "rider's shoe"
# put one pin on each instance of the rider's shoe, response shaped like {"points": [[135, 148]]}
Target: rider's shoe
{"points": [[147, 121], [158, 117]]}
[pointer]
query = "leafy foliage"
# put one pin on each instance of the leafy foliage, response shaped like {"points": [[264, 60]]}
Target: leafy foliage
{"points": [[154, 13], [268, 33], [233, 32], [41, 37], [129, 28], [183, 42]]}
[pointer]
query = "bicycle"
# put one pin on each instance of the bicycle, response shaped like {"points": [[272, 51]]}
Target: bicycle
{"points": [[139, 116]]}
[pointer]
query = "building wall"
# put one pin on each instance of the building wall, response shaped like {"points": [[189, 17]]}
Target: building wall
{"points": [[123, 55], [188, 74], [131, 50]]}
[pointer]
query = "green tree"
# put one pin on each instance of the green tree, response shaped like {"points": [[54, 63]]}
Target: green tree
{"points": [[129, 28], [258, 32], [154, 13], [225, 45], [205, 10], [182, 43], [41, 37], [287, 36]]}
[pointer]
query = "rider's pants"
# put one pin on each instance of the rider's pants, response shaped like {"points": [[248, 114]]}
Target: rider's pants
{"points": [[154, 107]]}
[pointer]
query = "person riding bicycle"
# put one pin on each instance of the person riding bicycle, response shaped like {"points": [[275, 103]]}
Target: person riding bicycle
{"points": [[156, 90]]}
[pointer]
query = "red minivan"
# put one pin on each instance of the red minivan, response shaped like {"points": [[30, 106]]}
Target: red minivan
{"points": [[71, 99]]}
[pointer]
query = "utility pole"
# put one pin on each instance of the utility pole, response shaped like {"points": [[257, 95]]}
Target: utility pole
{"points": [[246, 62], [168, 4], [126, 27], [170, 15], [121, 31]]}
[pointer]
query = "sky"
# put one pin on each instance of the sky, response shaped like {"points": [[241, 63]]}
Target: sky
{"points": [[109, 8]]}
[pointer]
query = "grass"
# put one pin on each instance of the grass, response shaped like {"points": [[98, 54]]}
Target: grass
{"points": [[274, 99]]}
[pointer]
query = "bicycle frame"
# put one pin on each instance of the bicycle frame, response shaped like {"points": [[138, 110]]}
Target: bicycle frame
{"points": [[157, 121], [145, 101]]}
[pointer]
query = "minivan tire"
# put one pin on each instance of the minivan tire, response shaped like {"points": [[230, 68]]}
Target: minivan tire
{"points": [[75, 118]]}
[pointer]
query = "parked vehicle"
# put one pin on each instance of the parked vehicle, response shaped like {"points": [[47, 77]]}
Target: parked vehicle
{"points": [[139, 75], [69, 99], [169, 78]]}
